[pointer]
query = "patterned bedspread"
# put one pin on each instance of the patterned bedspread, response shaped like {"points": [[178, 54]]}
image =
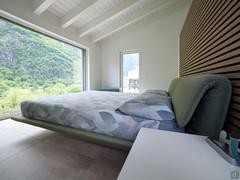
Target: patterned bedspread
{"points": [[93, 111]]}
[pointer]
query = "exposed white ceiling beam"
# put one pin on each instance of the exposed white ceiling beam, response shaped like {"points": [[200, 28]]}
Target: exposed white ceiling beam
{"points": [[106, 17], [146, 11], [41, 5], [75, 13]]}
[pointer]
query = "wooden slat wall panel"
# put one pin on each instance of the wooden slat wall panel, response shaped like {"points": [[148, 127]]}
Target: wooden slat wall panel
{"points": [[210, 43]]}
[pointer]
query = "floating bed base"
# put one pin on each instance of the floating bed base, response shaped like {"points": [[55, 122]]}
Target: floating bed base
{"points": [[79, 133]]}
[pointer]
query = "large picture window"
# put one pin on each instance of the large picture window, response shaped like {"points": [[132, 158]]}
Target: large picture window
{"points": [[33, 65]]}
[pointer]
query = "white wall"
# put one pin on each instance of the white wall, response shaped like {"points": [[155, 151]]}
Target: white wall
{"points": [[156, 38], [21, 11]]}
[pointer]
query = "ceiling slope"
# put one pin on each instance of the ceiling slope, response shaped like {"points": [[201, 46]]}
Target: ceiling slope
{"points": [[98, 19]]}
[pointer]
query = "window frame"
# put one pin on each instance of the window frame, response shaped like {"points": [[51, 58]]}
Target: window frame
{"points": [[121, 66], [85, 51], [42, 31]]}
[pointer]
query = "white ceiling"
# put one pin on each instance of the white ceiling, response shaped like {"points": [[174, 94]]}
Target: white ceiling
{"points": [[98, 19]]}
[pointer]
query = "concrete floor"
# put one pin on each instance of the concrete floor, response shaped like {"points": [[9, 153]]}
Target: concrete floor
{"points": [[32, 153]]}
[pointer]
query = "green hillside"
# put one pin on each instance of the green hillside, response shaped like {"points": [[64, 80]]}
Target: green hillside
{"points": [[33, 65]]}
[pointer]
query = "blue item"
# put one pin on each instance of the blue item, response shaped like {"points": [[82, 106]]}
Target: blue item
{"points": [[234, 143]]}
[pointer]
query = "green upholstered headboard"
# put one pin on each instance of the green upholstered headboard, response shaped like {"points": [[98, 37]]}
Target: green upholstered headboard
{"points": [[201, 103]]}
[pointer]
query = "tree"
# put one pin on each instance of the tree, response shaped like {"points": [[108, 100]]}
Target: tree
{"points": [[32, 61]]}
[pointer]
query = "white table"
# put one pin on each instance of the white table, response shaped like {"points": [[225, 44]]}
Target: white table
{"points": [[164, 155]]}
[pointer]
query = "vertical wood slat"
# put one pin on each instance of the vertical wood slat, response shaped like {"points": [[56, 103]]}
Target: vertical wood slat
{"points": [[210, 43], [209, 30]]}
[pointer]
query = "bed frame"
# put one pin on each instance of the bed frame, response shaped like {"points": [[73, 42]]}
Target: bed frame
{"points": [[80, 134], [207, 119]]}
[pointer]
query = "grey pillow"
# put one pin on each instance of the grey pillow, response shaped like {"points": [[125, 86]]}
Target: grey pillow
{"points": [[153, 105]]}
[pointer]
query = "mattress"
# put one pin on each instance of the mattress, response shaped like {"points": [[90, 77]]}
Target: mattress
{"points": [[92, 111]]}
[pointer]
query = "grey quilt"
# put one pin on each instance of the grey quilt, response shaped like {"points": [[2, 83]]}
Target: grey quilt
{"points": [[93, 111]]}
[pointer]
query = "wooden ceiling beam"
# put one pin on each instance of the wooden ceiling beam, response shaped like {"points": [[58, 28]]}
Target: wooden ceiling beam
{"points": [[39, 6], [106, 17], [140, 14], [75, 13]]}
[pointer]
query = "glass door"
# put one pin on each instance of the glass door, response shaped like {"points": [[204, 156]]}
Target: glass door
{"points": [[130, 72]]}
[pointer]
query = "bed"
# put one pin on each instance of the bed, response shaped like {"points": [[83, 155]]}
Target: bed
{"points": [[199, 103]]}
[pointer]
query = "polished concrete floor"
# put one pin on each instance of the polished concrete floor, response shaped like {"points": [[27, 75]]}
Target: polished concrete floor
{"points": [[32, 153]]}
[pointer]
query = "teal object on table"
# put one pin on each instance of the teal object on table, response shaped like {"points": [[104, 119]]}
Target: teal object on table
{"points": [[234, 143]]}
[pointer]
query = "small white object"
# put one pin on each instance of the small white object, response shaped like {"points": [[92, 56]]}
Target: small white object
{"points": [[223, 138]]}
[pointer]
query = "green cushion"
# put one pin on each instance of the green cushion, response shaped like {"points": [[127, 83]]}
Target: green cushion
{"points": [[172, 86], [201, 103]]}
